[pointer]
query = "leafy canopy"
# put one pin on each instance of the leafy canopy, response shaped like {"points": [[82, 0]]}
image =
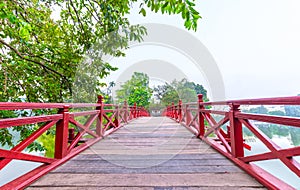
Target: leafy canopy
{"points": [[179, 90], [136, 90], [39, 56]]}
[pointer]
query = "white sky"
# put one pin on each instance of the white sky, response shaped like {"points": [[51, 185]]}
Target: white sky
{"points": [[256, 44]]}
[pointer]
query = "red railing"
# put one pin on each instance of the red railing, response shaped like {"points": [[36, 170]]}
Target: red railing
{"points": [[100, 120], [229, 141]]}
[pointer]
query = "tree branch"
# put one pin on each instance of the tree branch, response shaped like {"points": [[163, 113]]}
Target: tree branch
{"points": [[91, 12], [96, 12], [77, 16], [19, 83], [33, 61]]}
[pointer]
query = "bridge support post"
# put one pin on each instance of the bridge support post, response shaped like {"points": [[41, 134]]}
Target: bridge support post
{"points": [[188, 116], [200, 116], [99, 127], [125, 112], [61, 137], [173, 110], [179, 111], [116, 120], [236, 132], [138, 112], [134, 110]]}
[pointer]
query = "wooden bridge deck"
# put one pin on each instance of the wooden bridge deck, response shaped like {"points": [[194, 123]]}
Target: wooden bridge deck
{"points": [[149, 153]]}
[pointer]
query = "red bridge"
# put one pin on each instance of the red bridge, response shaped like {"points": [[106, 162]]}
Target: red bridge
{"points": [[150, 152]]}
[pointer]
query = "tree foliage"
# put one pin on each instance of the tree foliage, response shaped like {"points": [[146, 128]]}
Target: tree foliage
{"points": [[40, 56], [136, 90], [275, 129], [294, 111], [176, 90]]}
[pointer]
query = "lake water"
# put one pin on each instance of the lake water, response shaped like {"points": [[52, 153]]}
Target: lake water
{"points": [[276, 167], [17, 168]]}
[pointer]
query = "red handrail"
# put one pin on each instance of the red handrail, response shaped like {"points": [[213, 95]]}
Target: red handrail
{"points": [[231, 143], [68, 143]]}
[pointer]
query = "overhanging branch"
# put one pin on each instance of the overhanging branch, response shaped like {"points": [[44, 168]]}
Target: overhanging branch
{"points": [[30, 60]]}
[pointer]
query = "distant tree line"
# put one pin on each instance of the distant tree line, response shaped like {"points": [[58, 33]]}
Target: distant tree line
{"points": [[273, 129], [137, 90]]}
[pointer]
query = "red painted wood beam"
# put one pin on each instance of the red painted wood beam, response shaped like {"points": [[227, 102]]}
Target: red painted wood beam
{"points": [[8, 154], [5, 123], [289, 121]]}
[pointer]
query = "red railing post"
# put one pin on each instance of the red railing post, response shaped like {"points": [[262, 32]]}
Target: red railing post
{"points": [[134, 110], [179, 111], [173, 110], [200, 116], [125, 108], [187, 115], [61, 136], [99, 128], [138, 112], [236, 132], [116, 121]]}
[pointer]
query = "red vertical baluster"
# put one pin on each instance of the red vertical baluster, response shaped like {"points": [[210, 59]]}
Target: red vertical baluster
{"points": [[179, 111], [173, 110], [61, 136], [236, 132], [187, 115], [99, 128], [134, 110], [126, 114], [176, 112], [200, 116], [116, 119], [137, 112]]}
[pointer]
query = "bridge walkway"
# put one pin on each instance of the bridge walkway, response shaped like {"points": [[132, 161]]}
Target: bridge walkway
{"points": [[148, 153]]}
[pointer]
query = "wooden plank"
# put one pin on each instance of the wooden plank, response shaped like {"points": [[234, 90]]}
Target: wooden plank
{"points": [[146, 188], [147, 180], [162, 162], [146, 151], [93, 169], [143, 157]]}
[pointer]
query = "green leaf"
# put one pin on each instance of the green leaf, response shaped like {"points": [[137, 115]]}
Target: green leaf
{"points": [[12, 18], [3, 15], [24, 33], [165, 5], [190, 3], [143, 12]]}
